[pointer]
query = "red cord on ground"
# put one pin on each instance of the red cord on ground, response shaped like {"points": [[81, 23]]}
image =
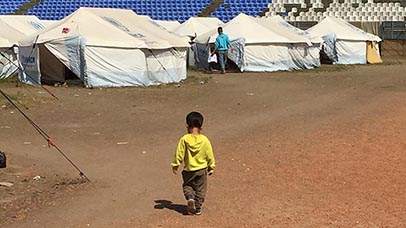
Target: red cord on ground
{"points": [[51, 142]]}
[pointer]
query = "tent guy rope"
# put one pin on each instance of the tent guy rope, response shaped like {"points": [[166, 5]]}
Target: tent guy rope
{"points": [[49, 140]]}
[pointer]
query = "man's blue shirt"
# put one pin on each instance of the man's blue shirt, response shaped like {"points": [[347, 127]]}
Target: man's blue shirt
{"points": [[222, 42]]}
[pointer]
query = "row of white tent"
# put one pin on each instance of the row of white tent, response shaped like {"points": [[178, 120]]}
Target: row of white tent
{"points": [[104, 48], [271, 44], [115, 47], [265, 44]]}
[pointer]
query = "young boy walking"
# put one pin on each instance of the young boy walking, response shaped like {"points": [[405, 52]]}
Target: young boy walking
{"points": [[194, 149]]}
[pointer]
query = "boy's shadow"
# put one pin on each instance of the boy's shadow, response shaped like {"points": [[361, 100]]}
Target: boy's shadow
{"points": [[161, 204]]}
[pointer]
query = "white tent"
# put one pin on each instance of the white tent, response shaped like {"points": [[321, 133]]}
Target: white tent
{"points": [[104, 48], [48, 23], [305, 55], [13, 28], [168, 25], [282, 24], [196, 26], [344, 43], [256, 47], [4, 43]]}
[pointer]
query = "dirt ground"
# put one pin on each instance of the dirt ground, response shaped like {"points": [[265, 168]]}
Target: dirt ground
{"points": [[320, 148]]}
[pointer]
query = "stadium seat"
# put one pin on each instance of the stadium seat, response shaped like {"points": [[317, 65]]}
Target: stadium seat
{"points": [[56, 9], [356, 10], [181, 10]]}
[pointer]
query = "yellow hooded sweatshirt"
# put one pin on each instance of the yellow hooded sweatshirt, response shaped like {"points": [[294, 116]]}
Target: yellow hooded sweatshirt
{"points": [[196, 152]]}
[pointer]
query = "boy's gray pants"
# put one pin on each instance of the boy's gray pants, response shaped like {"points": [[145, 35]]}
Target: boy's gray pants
{"points": [[194, 185]]}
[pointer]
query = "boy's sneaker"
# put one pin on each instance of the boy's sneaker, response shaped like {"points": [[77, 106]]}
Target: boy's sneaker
{"points": [[191, 206], [198, 211]]}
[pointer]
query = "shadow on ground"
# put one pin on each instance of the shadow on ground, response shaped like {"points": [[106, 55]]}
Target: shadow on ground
{"points": [[161, 204]]}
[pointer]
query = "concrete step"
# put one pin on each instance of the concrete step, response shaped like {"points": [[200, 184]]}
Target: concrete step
{"points": [[206, 12], [27, 6]]}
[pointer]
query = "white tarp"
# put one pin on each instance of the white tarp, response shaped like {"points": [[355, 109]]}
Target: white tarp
{"points": [[304, 56], [48, 23], [17, 27], [29, 63], [111, 48], [5, 43], [196, 26], [13, 28], [7, 58], [111, 67], [248, 28], [168, 25], [305, 52], [158, 60], [350, 41], [265, 47], [342, 29], [267, 58], [351, 52], [280, 23], [8, 63], [329, 47]]}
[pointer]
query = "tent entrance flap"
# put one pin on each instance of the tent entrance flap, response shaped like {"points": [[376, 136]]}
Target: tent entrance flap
{"points": [[373, 53], [69, 52], [235, 60], [52, 69]]}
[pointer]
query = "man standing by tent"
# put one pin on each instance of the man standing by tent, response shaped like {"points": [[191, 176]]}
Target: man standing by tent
{"points": [[222, 45]]}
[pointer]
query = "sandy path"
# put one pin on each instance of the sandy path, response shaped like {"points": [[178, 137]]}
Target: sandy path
{"points": [[293, 149]]}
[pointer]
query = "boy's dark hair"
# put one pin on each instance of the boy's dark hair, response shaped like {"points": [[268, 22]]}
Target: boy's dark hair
{"points": [[194, 119], [220, 29]]}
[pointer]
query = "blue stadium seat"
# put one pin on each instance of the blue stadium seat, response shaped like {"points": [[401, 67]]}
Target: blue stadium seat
{"points": [[166, 9], [9, 7]]}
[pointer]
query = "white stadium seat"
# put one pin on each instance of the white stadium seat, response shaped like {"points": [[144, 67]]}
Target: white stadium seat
{"points": [[366, 11]]}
